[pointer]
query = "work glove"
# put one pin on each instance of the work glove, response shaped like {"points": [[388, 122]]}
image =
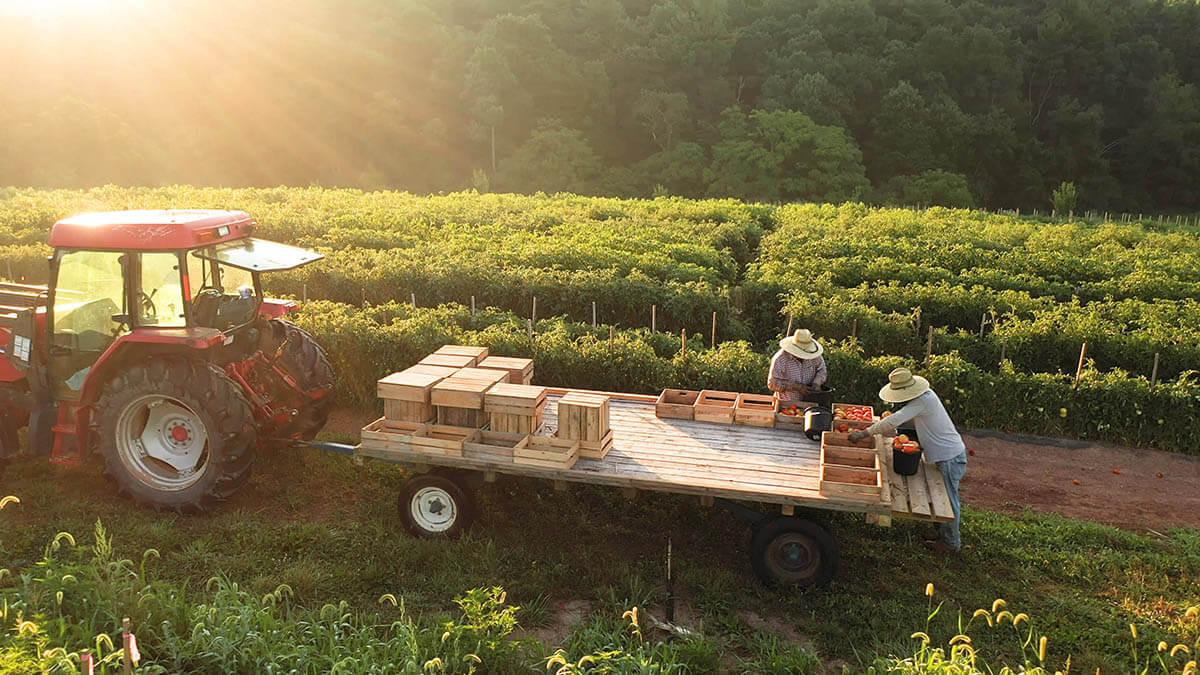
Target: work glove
{"points": [[860, 435]]}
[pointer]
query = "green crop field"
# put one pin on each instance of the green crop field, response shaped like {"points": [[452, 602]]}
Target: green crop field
{"points": [[314, 575]]}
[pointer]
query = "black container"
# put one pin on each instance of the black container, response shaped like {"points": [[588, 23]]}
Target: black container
{"points": [[907, 463], [816, 421], [823, 398]]}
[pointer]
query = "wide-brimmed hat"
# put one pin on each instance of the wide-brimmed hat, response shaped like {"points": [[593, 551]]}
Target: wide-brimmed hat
{"points": [[801, 345], [903, 386]]}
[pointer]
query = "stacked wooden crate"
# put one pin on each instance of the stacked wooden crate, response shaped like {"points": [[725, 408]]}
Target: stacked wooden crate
{"points": [[585, 418], [458, 399], [476, 354], [515, 408], [520, 371], [850, 469], [406, 395]]}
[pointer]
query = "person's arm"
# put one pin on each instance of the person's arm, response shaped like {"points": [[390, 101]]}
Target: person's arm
{"points": [[888, 425], [775, 380], [821, 374]]}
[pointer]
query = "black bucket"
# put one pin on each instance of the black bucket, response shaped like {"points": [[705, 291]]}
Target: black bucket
{"points": [[817, 420], [823, 398], [906, 463]]}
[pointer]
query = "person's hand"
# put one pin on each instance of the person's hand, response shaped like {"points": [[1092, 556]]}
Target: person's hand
{"points": [[801, 389], [860, 435]]}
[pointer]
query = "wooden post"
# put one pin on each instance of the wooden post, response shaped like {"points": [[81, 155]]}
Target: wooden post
{"points": [[364, 296], [1079, 369], [413, 297], [610, 332], [593, 315], [683, 341], [1003, 347], [982, 323], [529, 327], [788, 332], [472, 305], [929, 347], [714, 331], [303, 291], [533, 314], [653, 318], [126, 646], [1154, 373], [854, 329]]}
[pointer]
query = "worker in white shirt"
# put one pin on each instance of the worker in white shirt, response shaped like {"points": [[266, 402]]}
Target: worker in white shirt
{"points": [[940, 441], [798, 368]]}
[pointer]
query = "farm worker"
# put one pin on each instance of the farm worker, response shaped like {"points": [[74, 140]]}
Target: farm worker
{"points": [[940, 441], [798, 368]]}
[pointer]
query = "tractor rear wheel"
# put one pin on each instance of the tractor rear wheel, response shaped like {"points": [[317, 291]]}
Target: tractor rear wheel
{"points": [[306, 363], [175, 433]]}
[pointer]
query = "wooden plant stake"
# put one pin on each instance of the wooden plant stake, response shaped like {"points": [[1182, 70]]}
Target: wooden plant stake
{"points": [[713, 344], [1154, 373], [788, 332], [929, 347], [533, 314], [653, 318], [683, 341], [1079, 368], [472, 305], [413, 298], [610, 332], [593, 315]]}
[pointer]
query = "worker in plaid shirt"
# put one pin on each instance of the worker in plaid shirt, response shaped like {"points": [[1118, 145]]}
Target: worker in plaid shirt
{"points": [[798, 367]]}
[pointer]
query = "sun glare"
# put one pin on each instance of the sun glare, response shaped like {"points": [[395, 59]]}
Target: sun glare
{"points": [[63, 9]]}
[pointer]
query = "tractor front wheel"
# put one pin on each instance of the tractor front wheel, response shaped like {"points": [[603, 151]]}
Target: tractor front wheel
{"points": [[175, 433]]}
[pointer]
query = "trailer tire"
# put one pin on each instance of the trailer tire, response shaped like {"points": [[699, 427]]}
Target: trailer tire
{"points": [[435, 506], [791, 551]]}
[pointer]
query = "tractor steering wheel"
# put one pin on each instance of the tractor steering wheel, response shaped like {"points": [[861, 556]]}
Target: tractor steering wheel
{"points": [[147, 303]]}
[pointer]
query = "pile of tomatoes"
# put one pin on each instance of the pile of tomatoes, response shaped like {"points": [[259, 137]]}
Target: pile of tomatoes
{"points": [[792, 411], [903, 444], [857, 413]]}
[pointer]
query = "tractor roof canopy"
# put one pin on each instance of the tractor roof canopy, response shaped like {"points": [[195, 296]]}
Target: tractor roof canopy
{"points": [[164, 230], [259, 255]]}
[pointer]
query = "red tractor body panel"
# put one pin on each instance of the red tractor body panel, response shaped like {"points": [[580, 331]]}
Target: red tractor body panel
{"points": [[165, 230], [273, 308]]}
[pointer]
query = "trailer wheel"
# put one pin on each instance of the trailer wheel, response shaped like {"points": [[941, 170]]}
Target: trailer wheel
{"points": [[793, 551], [433, 505]]}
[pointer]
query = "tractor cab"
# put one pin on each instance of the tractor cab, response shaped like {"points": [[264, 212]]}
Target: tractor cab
{"points": [[134, 295], [158, 277]]}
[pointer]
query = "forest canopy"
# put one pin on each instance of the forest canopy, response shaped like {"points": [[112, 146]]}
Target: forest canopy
{"points": [[955, 102]]}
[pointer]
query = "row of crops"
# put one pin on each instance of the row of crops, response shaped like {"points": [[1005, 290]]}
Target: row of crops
{"points": [[1010, 301]]}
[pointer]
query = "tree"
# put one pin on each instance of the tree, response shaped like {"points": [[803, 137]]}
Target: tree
{"points": [[1064, 198], [929, 188], [783, 155], [553, 159], [663, 114]]}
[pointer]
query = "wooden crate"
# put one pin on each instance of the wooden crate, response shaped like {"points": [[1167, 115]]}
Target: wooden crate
{"points": [[853, 407], [515, 408], [465, 389], [520, 371], [851, 425], [676, 404], [548, 453], [843, 440], [850, 457], [447, 361], [441, 371], [383, 436], [494, 446], [583, 417], [477, 354], [715, 406], [460, 417], [755, 410], [407, 411], [437, 439], [850, 482]]}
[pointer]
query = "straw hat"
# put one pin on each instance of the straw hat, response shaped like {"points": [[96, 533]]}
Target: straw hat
{"points": [[903, 386], [801, 345]]}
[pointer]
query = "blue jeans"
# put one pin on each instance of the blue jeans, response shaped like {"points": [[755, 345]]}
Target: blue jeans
{"points": [[953, 470]]}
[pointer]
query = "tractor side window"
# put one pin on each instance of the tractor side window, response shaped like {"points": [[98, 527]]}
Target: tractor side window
{"points": [[160, 297], [88, 293]]}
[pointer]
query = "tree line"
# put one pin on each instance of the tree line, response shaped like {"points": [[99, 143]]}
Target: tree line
{"points": [[954, 102]]}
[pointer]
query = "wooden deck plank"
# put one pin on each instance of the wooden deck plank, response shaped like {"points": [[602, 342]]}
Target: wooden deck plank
{"points": [[939, 497], [918, 495]]}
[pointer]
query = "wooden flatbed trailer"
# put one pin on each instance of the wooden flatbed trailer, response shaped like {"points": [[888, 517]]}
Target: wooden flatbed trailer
{"points": [[721, 464]]}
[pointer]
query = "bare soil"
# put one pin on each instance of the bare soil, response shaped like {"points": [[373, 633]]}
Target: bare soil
{"points": [[1134, 489], [1012, 473]]}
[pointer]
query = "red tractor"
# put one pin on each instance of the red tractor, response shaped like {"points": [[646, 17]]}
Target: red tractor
{"points": [[154, 348]]}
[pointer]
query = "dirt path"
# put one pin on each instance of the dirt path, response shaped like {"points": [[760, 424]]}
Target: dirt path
{"points": [[1010, 473]]}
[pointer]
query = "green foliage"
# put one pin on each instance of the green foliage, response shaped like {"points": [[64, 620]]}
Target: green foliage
{"points": [[929, 188], [1064, 198]]}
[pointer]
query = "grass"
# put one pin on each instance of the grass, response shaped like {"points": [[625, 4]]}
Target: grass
{"points": [[329, 531]]}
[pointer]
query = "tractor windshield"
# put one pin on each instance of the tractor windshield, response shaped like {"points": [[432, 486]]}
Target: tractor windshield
{"points": [[259, 255]]}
